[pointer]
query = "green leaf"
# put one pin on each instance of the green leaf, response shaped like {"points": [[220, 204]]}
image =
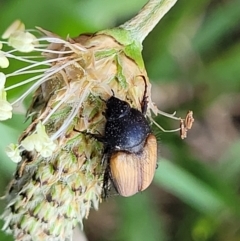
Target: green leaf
{"points": [[195, 192]]}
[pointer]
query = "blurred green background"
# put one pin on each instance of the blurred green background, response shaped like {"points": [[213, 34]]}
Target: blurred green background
{"points": [[193, 60]]}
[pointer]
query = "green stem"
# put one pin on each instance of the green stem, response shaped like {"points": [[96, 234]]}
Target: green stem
{"points": [[143, 23]]}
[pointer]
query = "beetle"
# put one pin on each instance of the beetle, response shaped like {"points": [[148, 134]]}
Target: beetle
{"points": [[130, 147]]}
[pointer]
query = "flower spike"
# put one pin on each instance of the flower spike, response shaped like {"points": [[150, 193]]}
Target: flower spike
{"points": [[59, 175]]}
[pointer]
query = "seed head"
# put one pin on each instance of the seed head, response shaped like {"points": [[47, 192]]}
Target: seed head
{"points": [[59, 176]]}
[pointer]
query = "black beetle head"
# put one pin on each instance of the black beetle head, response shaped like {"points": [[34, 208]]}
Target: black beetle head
{"points": [[116, 108]]}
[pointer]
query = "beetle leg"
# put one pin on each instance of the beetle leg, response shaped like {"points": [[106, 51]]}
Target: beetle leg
{"points": [[106, 183]]}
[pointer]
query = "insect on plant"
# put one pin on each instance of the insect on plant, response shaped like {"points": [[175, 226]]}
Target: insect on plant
{"points": [[130, 147]]}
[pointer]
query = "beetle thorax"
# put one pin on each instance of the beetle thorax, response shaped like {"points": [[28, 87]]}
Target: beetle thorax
{"points": [[128, 132]]}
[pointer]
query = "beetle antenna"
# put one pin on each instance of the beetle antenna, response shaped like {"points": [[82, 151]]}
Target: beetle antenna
{"points": [[144, 103], [102, 99]]}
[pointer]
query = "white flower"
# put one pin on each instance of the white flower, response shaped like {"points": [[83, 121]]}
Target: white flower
{"points": [[13, 153], [22, 41], [40, 142], [5, 110], [2, 80], [29, 142], [5, 106], [15, 26], [4, 63], [47, 151]]}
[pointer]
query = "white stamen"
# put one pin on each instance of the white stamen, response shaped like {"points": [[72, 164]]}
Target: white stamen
{"points": [[72, 114], [53, 40], [46, 62], [45, 77], [2, 80], [32, 88], [39, 141], [5, 109], [23, 41], [53, 51], [28, 72], [62, 41], [24, 82], [172, 116], [15, 26], [4, 63], [161, 128], [20, 58], [13, 153]]}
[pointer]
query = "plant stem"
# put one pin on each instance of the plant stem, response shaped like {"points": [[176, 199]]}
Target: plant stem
{"points": [[143, 23]]}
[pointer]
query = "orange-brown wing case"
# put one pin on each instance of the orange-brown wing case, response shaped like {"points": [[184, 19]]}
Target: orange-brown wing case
{"points": [[132, 172]]}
